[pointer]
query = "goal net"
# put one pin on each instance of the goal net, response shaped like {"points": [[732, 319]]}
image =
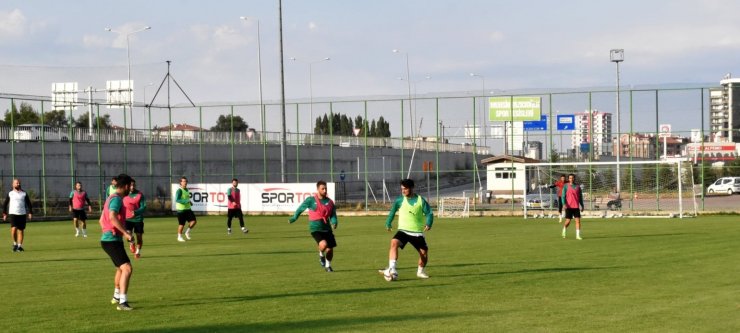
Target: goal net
{"points": [[611, 189], [454, 207]]}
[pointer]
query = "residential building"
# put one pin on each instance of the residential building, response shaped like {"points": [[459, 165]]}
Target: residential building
{"points": [[724, 113], [593, 132]]}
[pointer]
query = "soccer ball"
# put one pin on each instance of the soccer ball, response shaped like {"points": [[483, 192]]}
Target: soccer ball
{"points": [[390, 275]]}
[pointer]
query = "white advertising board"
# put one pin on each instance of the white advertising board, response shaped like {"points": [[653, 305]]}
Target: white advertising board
{"points": [[266, 197]]}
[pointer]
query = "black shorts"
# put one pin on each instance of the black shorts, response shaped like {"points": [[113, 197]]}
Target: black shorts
{"points": [[17, 221], [185, 216], [116, 252], [79, 214], [572, 213], [235, 212], [419, 242], [135, 227], [327, 236]]}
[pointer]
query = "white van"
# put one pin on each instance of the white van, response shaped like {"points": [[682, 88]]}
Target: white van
{"points": [[727, 185], [32, 132]]}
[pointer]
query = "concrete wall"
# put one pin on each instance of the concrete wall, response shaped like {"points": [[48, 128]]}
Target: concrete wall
{"points": [[63, 164]]}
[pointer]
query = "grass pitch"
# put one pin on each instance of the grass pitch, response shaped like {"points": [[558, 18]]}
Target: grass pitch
{"points": [[487, 275]]}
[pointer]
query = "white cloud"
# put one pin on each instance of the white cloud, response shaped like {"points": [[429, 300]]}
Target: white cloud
{"points": [[312, 26], [94, 41], [14, 24], [495, 36]]}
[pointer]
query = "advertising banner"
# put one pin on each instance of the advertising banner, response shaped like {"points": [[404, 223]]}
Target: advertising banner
{"points": [[523, 108], [265, 197], [540, 125], [566, 122]]}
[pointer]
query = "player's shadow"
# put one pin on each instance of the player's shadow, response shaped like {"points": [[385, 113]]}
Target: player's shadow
{"points": [[640, 236], [354, 323], [526, 271], [247, 298]]}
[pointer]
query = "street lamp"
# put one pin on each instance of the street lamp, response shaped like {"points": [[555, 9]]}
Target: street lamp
{"points": [[616, 56], [408, 82], [310, 82], [416, 85], [483, 80], [128, 60], [259, 59]]}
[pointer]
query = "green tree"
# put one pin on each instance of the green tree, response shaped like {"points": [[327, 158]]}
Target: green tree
{"points": [[223, 124], [373, 129], [26, 115], [56, 119], [98, 122]]}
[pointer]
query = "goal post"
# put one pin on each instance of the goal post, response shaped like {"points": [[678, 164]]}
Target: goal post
{"points": [[645, 188], [454, 207]]}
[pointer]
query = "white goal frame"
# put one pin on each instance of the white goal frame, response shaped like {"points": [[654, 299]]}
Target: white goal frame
{"points": [[461, 210], [686, 196]]}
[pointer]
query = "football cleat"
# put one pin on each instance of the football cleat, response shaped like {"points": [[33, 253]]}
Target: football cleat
{"points": [[124, 307]]}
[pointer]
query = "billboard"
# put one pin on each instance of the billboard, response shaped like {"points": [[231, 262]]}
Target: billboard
{"points": [[515, 136], [119, 93], [540, 125], [64, 96], [265, 197], [522, 107], [566, 122]]}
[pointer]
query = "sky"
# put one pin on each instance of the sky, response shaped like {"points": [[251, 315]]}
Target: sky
{"points": [[511, 45]]}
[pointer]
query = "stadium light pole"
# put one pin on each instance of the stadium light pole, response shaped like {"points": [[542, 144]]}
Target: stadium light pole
{"points": [[310, 82], [415, 84], [616, 56], [128, 60], [408, 83], [483, 80], [259, 57]]}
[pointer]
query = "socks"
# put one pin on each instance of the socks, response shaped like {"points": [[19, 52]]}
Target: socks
{"points": [[420, 269], [578, 232], [117, 293], [122, 299], [321, 254], [392, 264], [328, 263]]}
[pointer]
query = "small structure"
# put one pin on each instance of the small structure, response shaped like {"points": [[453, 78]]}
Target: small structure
{"points": [[179, 131], [505, 175]]}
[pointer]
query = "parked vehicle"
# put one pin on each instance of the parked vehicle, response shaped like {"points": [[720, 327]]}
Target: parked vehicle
{"points": [[32, 132], [546, 199], [727, 185]]}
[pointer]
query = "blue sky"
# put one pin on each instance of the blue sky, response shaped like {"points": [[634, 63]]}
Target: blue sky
{"points": [[513, 44]]}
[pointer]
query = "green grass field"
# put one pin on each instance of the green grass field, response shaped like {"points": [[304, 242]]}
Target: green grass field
{"points": [[487, 275]]}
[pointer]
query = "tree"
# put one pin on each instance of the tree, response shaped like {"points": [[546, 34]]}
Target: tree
{"points": [[98, 122], [26, 115], [554, 155], [373, 129], [223, 124], [56, 119]]}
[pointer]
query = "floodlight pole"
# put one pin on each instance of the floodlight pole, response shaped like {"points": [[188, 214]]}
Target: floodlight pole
{"points": [[617, 56], [282, 98], [259, 78], [128, 70], [483, 79], [408, 83]]}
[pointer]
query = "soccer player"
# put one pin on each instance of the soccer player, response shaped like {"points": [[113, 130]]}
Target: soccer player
{"points": [[573, 204], [235, 206], [321, 213], [559, 185], [184, 212], [411, 208], [111, 189], [111, 240], [135, 204], [77, 200], [18, 206]]}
